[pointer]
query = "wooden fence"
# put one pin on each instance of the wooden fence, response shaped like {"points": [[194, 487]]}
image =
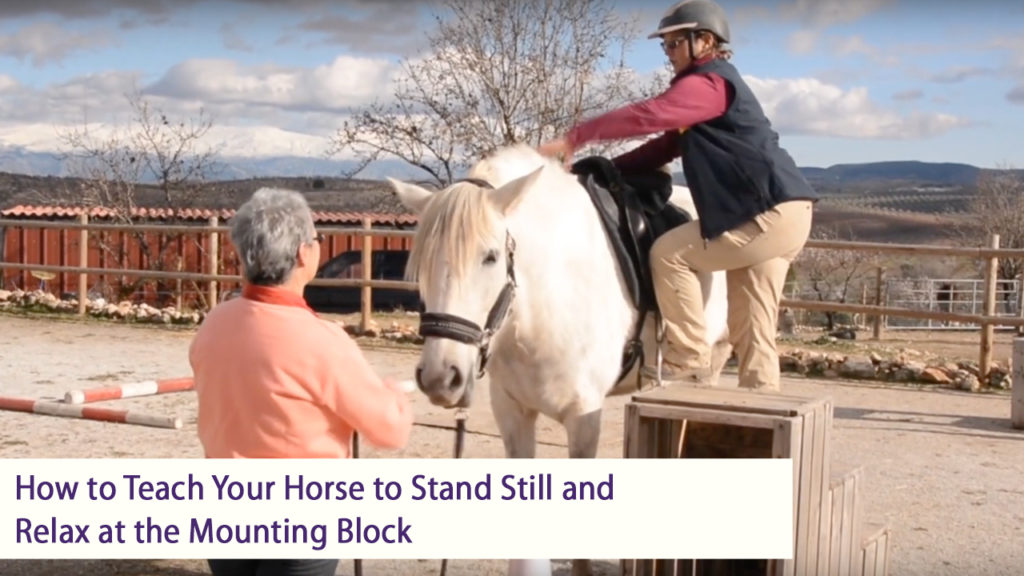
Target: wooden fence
{"points": [[177, 262], [211, 273]]}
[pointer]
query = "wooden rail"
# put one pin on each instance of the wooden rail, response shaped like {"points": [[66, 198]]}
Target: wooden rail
{"points": [[989, 254]]}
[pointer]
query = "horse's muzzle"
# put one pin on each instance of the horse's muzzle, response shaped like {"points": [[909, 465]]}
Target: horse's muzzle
{"points": [[446, 386]]}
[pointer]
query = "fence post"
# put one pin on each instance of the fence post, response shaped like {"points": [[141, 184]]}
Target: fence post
{"points": [[214, 260], [876, 329], [1020, 302], [1017, 381], [367, 296], [83, 262], [987, 329]]}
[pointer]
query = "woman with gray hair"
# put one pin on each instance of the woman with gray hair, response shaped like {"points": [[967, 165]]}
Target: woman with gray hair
{"points": [[272, 379]]}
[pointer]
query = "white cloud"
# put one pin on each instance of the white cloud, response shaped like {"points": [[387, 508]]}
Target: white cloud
{"points": [[228, 140], [803, 41], [826, 13], [856, 46], [45, 42], [233, 39], [339, 85], [8, 84], [810, 106], [256, 111], [1016, 95], [386, 27], [274, 110], [908, 95], [955, 74], [816, 16]]}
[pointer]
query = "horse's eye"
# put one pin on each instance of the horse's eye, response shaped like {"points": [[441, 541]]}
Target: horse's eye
{"points": [[492, 257]]}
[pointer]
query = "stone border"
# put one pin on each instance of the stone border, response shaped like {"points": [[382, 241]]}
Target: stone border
{"points": [[99, 308], [963, 375]]}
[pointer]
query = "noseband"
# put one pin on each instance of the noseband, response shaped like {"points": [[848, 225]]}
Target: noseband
{"points": [[442, 325]]}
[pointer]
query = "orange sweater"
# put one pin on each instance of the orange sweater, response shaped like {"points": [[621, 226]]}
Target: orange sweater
{"points": [[275, 381]]}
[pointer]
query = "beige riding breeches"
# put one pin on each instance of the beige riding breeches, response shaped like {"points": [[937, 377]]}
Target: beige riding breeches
{"points": [[756, 257]]}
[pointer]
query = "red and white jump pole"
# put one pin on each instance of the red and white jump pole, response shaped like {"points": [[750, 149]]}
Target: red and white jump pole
{"points": [[145, 388], [52, 408]]}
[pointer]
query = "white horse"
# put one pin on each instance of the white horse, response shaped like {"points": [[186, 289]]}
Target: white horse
{"points": [[559, 350]]}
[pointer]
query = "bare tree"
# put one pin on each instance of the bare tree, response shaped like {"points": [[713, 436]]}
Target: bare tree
{"points": [[497, 73], [832, 275], [154, 150], [155, 156], [996, 208]]}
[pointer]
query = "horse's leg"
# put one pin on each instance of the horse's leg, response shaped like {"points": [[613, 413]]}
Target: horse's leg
{"points": [[517, 424], [518, 427], [584, 433], [714, 287]]}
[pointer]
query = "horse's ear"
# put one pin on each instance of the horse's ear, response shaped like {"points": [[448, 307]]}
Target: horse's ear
{"points": [[414, 197], [507, 197]]}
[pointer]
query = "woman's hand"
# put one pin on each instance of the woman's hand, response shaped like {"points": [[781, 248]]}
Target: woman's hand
{"points": [[558, 148]]}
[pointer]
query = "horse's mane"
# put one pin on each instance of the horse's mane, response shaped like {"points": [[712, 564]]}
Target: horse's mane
{"points": [[459, 218], [453, 224], [510, 162]]}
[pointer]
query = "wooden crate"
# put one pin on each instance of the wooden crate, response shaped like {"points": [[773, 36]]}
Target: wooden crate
{"points": [[689, 422], [874, 552], [839, 546]]}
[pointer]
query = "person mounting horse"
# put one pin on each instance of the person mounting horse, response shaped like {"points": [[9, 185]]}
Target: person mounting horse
{"points": [[754, 207]]}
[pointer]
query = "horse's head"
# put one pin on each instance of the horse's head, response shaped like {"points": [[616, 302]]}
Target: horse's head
{"points": [[462, 260]]}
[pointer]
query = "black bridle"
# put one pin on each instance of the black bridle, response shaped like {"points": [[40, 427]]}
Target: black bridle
{"points": [[452, 327]]}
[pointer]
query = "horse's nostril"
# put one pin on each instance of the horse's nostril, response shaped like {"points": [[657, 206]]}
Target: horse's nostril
{"points": [[419, 378], [455, 382]]}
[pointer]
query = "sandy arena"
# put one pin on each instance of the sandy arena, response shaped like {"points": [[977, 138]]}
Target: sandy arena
{"points": [[942, 467]]}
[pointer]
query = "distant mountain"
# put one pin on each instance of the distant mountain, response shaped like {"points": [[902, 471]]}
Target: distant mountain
{"points": [[20, 161], [15, 160], [854, 176], [945, 173], [889, 174]]}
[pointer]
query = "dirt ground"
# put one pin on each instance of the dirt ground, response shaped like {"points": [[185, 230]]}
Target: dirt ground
{"points": [[943, 468]]}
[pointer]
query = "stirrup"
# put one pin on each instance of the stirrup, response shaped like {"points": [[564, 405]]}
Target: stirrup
{"points": [[659, 339]]}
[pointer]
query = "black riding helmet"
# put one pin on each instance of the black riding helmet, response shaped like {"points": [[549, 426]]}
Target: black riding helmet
{"points": [[694, 15]]}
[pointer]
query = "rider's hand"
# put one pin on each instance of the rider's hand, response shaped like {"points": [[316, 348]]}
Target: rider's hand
{"points": [[557, 148]]}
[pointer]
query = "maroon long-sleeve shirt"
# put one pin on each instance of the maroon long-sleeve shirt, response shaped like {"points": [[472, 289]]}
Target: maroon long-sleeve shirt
{"points": [[692, 99]]}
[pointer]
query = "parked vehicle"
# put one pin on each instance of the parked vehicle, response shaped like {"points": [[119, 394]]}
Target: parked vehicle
{"points": [[386, 265]]}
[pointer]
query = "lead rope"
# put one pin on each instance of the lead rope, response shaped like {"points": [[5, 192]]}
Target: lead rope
{"points": [[461, 415], [355, 454]]}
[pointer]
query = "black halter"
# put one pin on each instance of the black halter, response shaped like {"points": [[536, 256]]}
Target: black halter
{"points": [[442, 325]]}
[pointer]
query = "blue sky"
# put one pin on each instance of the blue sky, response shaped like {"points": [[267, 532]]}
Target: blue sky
{"points": [[853, 81]]}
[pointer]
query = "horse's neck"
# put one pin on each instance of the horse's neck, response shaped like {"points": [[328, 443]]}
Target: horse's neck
{"points": [[569, 282]]}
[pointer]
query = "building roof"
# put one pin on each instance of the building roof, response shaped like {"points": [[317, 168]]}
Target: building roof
{"points": [[194, 214]]}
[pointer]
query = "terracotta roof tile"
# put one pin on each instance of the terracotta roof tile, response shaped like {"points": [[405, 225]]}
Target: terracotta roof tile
{"points": [[325, 217]]}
